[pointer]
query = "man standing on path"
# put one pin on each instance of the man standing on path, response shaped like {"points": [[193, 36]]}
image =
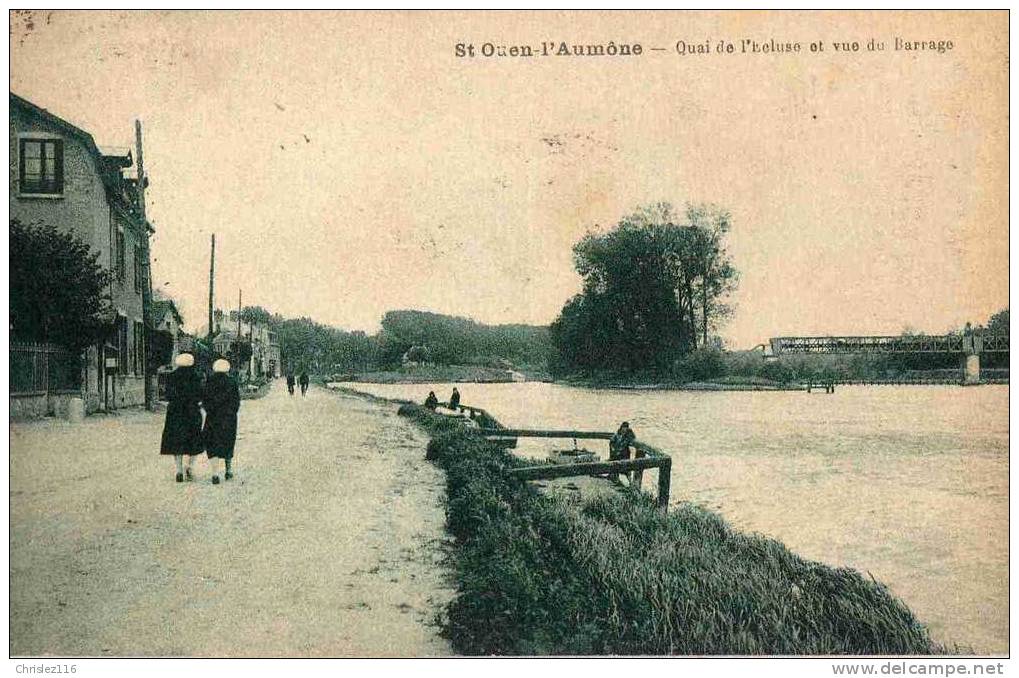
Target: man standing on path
{"points": [[290, 382], [304, 382]]}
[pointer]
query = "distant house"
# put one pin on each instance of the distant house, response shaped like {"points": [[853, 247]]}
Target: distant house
{"points": [[59, 176], [265, 350], [166, 319]]}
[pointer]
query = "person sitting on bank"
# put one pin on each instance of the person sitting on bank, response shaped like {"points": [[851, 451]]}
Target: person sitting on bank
{"points": [[454, 400], [619, 445], [431, 402], [222, 400]]}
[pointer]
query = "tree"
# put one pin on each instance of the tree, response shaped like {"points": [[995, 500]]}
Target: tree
{"points": [[158, 349], [59, 291], [998, 323], [718, 278], [652, 286], [240, 354], [418, 354], [256, 315]]}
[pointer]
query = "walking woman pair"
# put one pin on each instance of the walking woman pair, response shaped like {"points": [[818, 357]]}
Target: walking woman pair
{"points": [[183, 432]]}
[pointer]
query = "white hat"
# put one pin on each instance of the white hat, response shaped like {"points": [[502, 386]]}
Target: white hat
{"points": [[184, 360], [221, 365]]}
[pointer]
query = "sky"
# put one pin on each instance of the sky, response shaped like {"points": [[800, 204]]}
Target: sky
{"points": [[351, 163]]}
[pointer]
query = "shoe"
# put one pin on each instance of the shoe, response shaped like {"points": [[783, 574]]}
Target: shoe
{"points": [[215, 480], [187, 474], [228, 476], [180, 477]]}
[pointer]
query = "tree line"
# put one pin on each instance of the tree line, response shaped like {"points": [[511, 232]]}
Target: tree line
{"points": [[405, 335]]}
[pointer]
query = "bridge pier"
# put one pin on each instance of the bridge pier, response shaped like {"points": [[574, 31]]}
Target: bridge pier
{"points": [[972, 345], [971, 369]]}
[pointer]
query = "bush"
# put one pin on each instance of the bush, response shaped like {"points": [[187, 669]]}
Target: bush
{"points": [[777, 371], [700, 365]]}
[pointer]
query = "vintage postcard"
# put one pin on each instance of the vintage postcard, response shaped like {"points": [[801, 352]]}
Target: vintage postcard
{"points": [[472, 333]]}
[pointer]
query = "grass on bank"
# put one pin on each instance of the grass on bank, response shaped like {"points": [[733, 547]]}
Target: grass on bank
{"points": [[544, 574]]}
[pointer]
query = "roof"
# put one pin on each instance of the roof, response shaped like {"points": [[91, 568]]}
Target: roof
{"points": [[41, 112], [108, 164], [161, 306]]}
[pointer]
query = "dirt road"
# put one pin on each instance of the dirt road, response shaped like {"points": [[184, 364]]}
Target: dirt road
{"points": [[328, 542]]}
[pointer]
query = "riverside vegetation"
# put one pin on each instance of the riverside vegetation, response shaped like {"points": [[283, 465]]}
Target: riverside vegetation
{"points": [[545, 574]]}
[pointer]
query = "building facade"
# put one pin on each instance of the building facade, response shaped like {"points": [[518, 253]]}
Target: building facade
{"points": [[265, 350], [168, 340], [60, 177], [166, 318]]}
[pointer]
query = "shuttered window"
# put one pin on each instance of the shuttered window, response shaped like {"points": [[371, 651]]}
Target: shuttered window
{"points": [[42, 166]]}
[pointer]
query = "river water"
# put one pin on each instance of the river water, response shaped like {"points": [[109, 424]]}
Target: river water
{"points": [[909, 483]]}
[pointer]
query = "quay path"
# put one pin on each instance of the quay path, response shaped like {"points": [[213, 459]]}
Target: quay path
{"points": [[328, 542]]}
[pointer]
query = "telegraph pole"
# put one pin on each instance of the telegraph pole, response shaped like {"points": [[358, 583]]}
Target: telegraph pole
{"points": [[212, 278], [238, 353], [149, 374], [238, 315]]}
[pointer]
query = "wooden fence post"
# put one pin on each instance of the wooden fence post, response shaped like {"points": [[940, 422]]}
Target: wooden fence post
{"points": [[637, 477], [664, 485]]}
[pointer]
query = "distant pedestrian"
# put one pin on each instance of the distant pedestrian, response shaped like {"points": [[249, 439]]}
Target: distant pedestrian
{"points": [[454, 400], [290, 382], [303, 379], [222, 400], [182, 430], [431, 402]]}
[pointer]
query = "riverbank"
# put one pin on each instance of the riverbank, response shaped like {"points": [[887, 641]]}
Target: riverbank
{"points": [[761, 384], [429, 374], [328, 542], [720, 384], [544, 573], [908, 483]]}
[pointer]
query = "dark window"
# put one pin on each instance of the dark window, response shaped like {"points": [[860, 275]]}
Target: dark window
{"points": [[139, 348], [137, 269], [121, 256], [122, 358], [42, 166]]}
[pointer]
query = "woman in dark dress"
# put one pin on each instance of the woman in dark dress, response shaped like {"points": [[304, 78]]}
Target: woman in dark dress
{"points": [[222, 400], [182, 431]]}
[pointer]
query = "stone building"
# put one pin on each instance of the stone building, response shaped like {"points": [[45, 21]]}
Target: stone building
{"points": [[59, 176], [265, 350]]}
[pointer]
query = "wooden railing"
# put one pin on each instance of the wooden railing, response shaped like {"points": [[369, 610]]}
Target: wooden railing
{"points": [[645, 456]]}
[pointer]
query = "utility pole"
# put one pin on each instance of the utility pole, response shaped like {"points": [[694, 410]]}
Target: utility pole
{"points": [[238, 330], [212, 278], [149, 373]]}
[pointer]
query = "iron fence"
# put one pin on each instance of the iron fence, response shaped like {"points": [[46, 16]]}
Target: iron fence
{"points": [[43, 368]]}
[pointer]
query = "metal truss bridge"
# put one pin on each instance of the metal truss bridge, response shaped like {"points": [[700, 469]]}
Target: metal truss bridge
{"points": [[968, 346], [973, 344]]}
